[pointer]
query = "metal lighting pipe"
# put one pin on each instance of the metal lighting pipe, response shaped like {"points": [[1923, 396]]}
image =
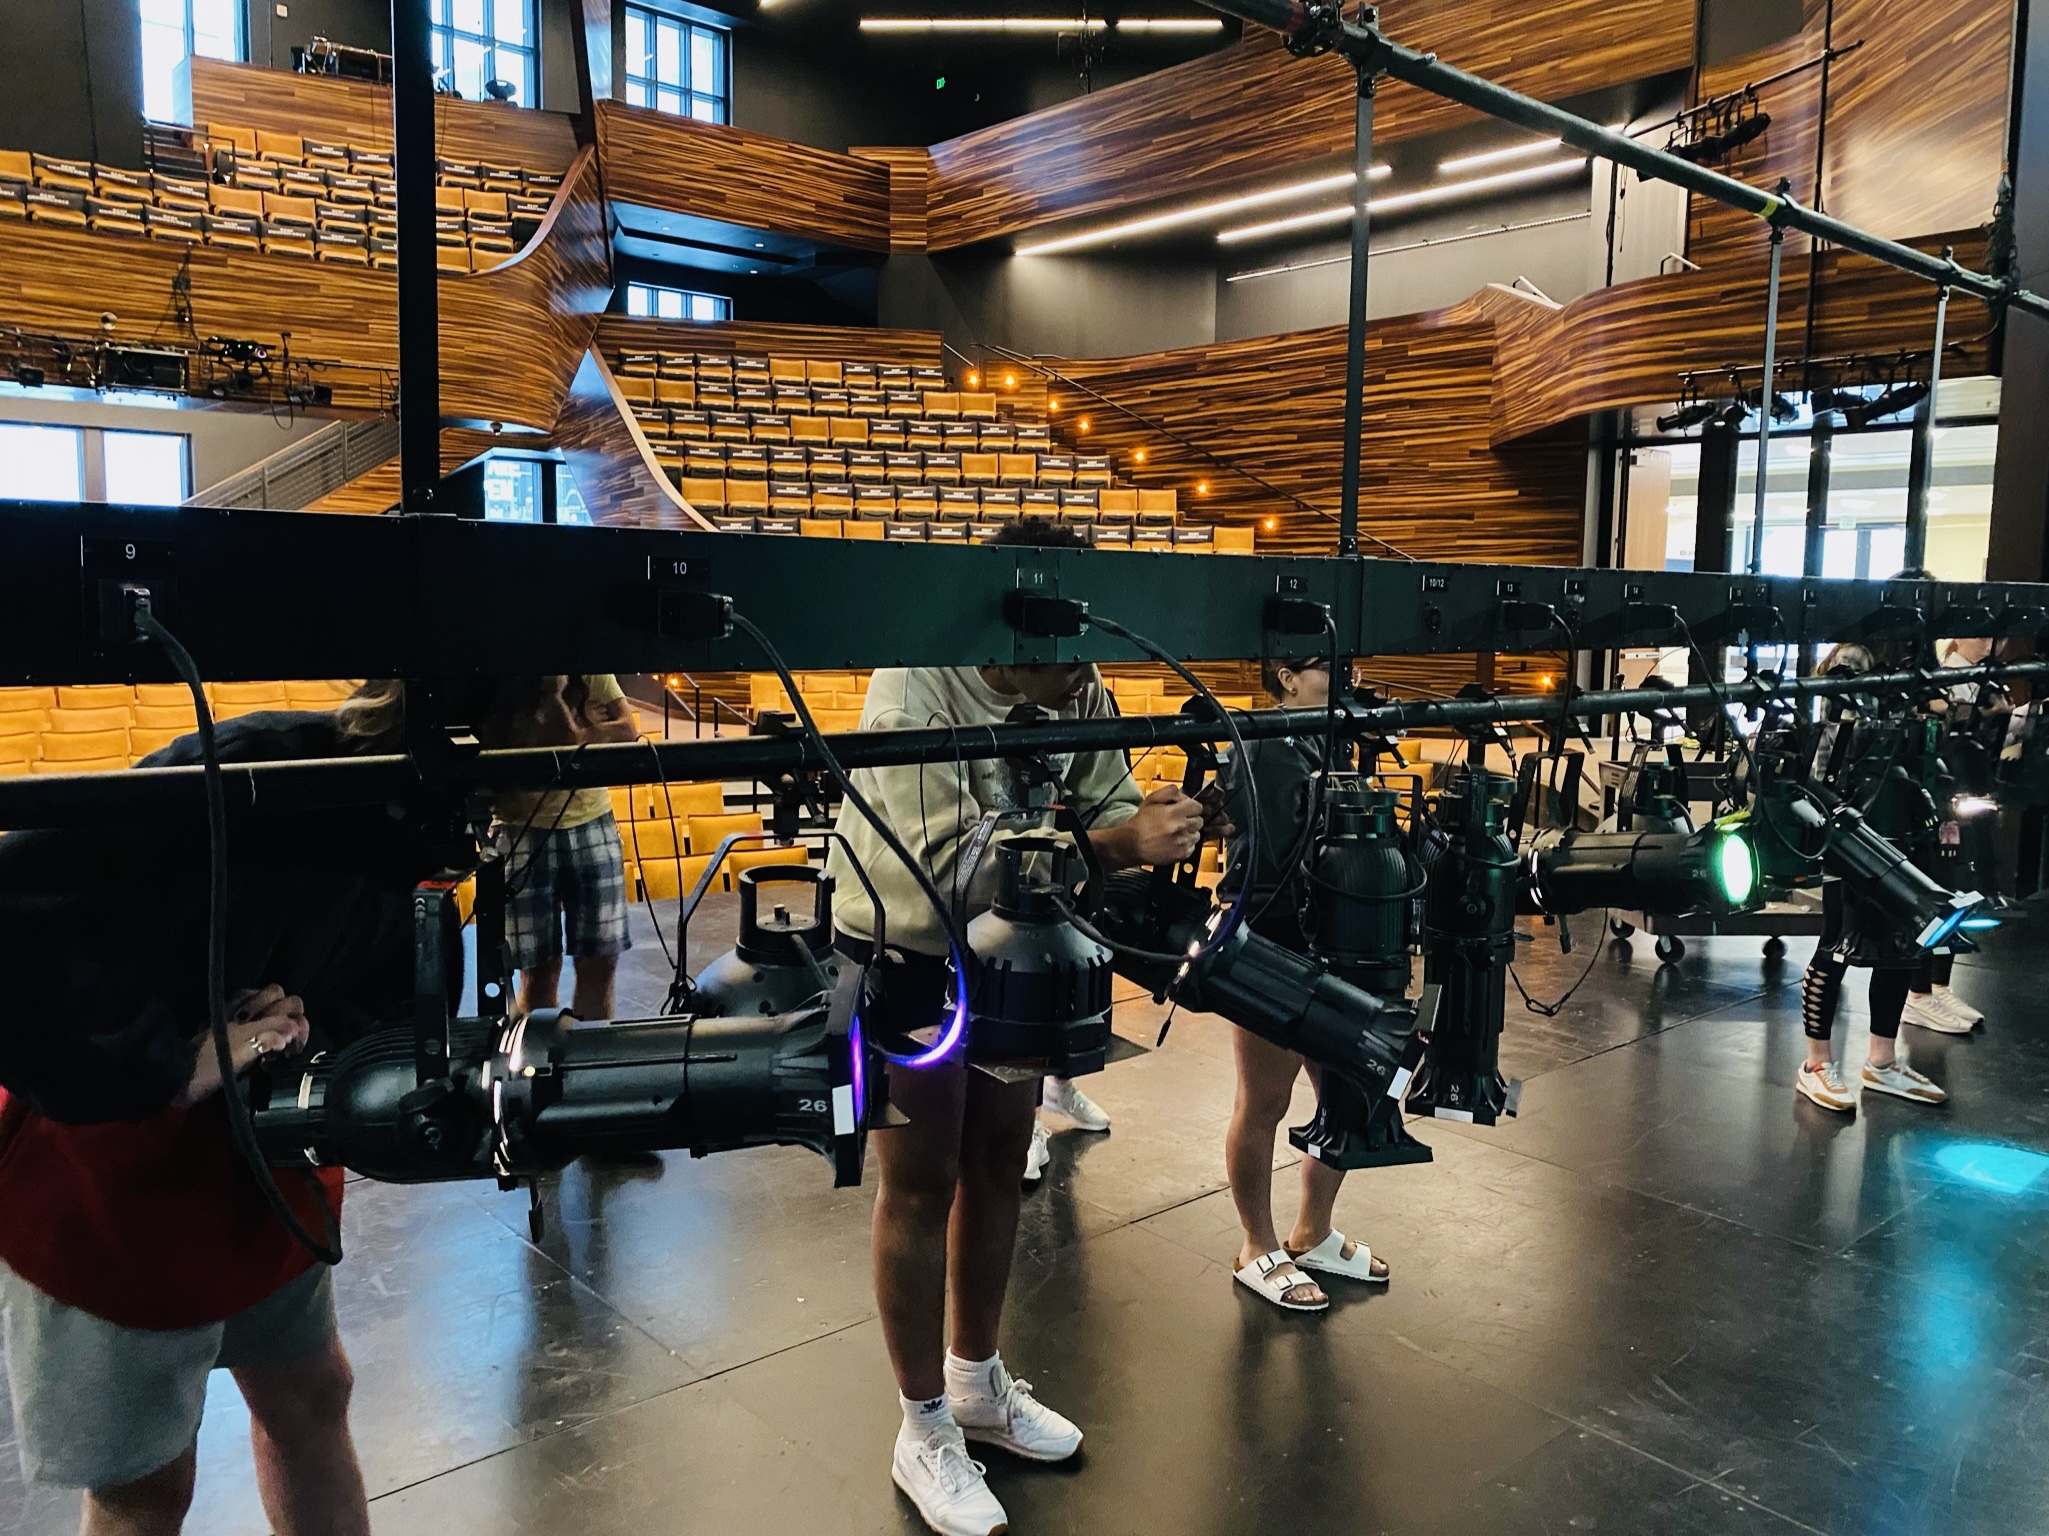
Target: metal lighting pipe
{"points": [[1921, 466], [1369, 48], [1764, 399], [147, 793], [1355, 316], [419, 299]]}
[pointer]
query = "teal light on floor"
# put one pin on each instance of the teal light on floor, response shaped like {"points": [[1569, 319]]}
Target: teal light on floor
{"points": [[1993, 1165]]}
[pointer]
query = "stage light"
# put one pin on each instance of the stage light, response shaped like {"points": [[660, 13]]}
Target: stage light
{"points": [[1170, 24], [1362, 888], [1424, 197], [778, 965], [1198, 213], [1042, 987], [1974, 805], [1877, 871], [1783, 409], [1900, 397], [1673, 874], [1368, 1049], [1688, 417], [981, 24], [28, 376], [1497, 156]]}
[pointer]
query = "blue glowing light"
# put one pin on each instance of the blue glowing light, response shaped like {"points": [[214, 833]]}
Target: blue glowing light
{"points": [[955, 1028], [1993, 1165], [1979, 922], [857, 1048]]}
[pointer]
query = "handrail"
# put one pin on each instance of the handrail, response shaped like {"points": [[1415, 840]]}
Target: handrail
{"points": [[695, 710], [1172, 436]]}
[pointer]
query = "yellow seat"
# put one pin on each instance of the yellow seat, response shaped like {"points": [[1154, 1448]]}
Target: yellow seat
{"points": [[1226, 540], [743, 859], [113, 717], [1157, 501], [845, 429], [648, 840], [24, 722], [287, 148], [166, 717], [317, 695], [28, 698], [819, 527], [452, 258], [80, 764], [627, 801], [266, 695], [490, 204], [668, 879], [685, 800], [142, 742], [941, 405], [868, 530], [786, 370], [163, 695], [94, 696], [85, 746], [24, 748], [978, 407], [811, 429], [707, 832]]}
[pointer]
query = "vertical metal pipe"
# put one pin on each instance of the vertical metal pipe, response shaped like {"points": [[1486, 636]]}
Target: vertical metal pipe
{"points": [[419, 319], [1819, 468], [1764, 402], [1355, 331], [1921, 465]]}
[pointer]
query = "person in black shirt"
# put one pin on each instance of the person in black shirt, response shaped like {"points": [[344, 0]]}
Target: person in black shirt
{"points": [[1283, 779]]}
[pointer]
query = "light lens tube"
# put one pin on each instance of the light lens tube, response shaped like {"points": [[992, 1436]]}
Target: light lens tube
{"points": [[980, 24], [1736, 868], [1423, 197], [1171, 24]]}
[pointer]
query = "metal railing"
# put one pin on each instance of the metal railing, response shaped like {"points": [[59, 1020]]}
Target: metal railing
{"points": [[297, 476], [693, 708]]}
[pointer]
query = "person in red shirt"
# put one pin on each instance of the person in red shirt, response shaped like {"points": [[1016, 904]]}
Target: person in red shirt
{"points": [[137, 1252]]}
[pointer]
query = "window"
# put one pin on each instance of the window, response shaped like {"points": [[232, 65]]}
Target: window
{"points": [[478, 41], [175, 30], [145, 469], [676, 66], [652, 303], [512, 491], [42, 463]]}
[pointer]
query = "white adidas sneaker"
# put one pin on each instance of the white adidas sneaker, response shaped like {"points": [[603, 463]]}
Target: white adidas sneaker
{"points": [[937, 1474], [1008, 1416], [1084, 1113]]}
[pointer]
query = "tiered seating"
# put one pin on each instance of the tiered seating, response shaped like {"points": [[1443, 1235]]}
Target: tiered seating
{"points": [[873, 450], [670, 833], [87, 729], [284, 195]]}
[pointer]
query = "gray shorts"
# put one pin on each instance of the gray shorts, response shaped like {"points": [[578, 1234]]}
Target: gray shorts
{"points": [[97, 1405], [573, 877]]}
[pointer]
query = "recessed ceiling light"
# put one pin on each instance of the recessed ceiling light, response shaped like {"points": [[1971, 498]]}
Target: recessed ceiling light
{"points": [[1497, 156], [981, 24], [1200, 213], [1401, 200]]}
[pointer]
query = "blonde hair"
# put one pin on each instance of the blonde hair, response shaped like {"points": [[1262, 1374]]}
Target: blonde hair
{"points": [[376, 711]]}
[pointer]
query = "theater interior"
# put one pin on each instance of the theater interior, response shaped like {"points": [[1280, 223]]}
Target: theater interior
{"points": [[1647, 401]]}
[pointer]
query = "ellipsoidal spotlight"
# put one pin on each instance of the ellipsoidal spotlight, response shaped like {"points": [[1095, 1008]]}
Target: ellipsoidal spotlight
{"points": [[1687, 417], [1042, 986], [1876, 869], [1674, 874], [27, 375], [1783, 409], [1899, 398], [1362, 888]]}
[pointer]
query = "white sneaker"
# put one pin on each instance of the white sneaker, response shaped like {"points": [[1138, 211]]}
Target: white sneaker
{"points": [[1063, 1098], [1825, 1086], [1925, 1011], [1009, 1416], [1946, 999], [1901, 1081], [937, 1474], [1037, 1157]]}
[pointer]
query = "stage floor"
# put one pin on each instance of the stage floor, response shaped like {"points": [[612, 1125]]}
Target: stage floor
{"points": [[1671, 1297]]}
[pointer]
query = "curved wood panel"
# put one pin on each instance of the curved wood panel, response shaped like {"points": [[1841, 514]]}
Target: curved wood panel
{"points": [[1255, 111], [615, 470], [826, 343], [752, 181], [511, 338], [356, 112]]}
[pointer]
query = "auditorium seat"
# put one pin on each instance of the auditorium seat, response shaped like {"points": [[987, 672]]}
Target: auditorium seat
{"points": [[668, 879], [86, 746], [281, 148], [706, 832], [79, 765], [684, 800], [748, 857]]}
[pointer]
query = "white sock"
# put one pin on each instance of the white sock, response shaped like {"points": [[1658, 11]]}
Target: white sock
{"points": [[921, 1417], [971, 1378]]}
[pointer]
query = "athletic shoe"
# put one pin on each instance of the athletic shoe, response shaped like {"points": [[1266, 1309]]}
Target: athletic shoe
{"points": [[937, 1474], [1945, 997], [1902, 1082], [1825, 1086], [1008, 1416], [1037, 1157], [1924, 1010], [1063, 1098]]}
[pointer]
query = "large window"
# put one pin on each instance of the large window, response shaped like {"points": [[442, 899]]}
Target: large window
{"points": [[42, 463], [676, 66], [649, 302], [145, 469], [135, 469], [478, 41], [175, 30]]}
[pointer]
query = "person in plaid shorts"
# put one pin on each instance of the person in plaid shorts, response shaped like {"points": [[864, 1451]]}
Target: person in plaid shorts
{"points": [[564, 866]]}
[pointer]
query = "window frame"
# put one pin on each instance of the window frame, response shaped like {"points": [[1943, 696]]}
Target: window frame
{"points": [[446, 33], [90, 443], [647, 90], [722, 304], [144, 26]]}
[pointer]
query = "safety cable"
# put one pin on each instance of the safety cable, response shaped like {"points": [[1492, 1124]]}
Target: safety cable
{"points": [[241, 1126]]}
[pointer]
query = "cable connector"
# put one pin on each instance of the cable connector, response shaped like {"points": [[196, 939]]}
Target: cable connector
{"points": [[1041, 616], [1296, 615], [683, 614]]}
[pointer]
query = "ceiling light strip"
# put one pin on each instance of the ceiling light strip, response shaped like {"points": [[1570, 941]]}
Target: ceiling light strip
{"points": [[1197, 214], [982, 24], [1170, 24], [1497, 156], [1424, 197], [1414, 245]]}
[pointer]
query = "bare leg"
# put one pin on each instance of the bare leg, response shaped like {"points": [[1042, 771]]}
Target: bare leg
{"points": [[996, 1132], [152, 1505], [540, 986], [1266, 1083], [306, 1468], [1320, 1186], [919, 1167], [592, 998]]}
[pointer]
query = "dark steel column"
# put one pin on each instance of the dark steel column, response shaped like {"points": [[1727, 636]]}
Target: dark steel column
{"points": [[1819, 466], [1715, 505], [1921, 463], [1355, 332], [1764, 397], [419, 317]]}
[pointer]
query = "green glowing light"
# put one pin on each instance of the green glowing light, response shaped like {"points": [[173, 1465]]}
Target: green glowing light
{"points": [[1736, 868]]}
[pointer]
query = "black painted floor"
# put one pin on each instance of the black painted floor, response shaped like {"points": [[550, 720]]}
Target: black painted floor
{"points": [[1670, 1298]]}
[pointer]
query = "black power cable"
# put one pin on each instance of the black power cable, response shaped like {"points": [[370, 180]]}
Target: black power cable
{"points": [[241, 1127]]}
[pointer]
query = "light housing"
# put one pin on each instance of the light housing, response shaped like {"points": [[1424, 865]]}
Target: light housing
{"points": [[1042, 987], [1673, 874]]}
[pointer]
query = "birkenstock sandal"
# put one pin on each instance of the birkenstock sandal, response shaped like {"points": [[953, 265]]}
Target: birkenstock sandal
{"points": [[1328, 1258], [1260, 1276]]}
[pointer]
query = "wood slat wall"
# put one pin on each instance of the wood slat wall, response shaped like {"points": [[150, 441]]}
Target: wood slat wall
{"points": [[377, 488], [827, 343], [714, 171], [615, 471], [910, 180], [1254, 111], [356, 112], [511, 338]]}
